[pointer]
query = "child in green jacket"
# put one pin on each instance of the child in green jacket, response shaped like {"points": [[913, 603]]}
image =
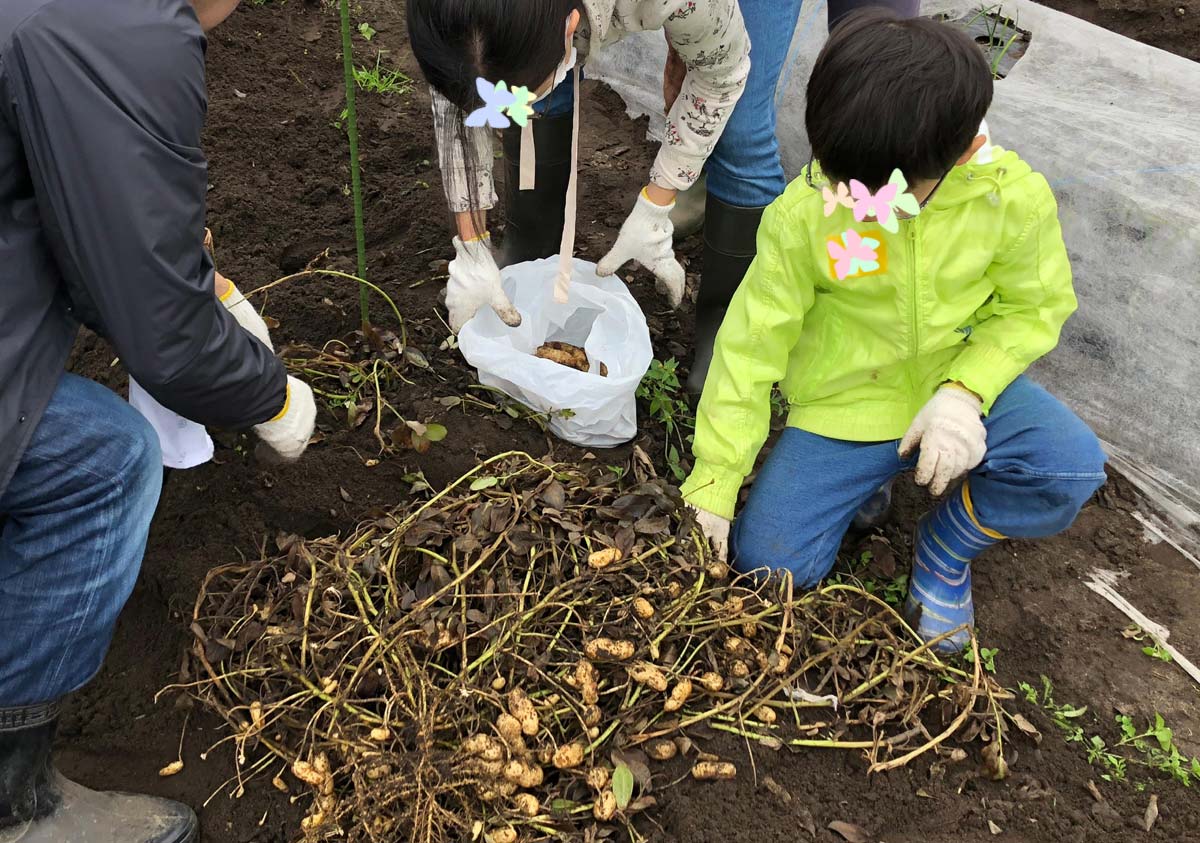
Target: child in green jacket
{"points": [[903, 285]]}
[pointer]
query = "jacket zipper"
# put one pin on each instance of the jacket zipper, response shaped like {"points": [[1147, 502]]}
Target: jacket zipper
{"points": [[914, 324]]}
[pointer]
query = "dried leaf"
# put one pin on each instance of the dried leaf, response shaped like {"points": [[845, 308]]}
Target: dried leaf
{"points": [[850, 832], [482, 483], [994, 829], [1151, 815], [345, 495], [1027, 728]]}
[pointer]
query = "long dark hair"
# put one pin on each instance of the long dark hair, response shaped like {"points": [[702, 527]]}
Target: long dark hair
{"points": [[456, 41], [887, 93], [521, 42]]}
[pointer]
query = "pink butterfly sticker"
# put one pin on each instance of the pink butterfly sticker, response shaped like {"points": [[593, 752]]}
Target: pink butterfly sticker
{"points": [[840, 199], [854, 254], [877, 205]]}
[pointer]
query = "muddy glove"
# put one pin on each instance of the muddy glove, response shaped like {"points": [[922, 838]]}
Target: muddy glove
{"points": [[288, 433], [715, 529], [950, 432], [241, 310], [475, 283], [646, 237]]}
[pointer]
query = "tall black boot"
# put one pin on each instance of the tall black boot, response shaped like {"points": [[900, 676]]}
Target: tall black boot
{"points": [[729, 248], [534, 218], [38, 805]]}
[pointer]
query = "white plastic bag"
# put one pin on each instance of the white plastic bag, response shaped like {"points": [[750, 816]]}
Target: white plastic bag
{"points": [[600, 316], [185, 444]]}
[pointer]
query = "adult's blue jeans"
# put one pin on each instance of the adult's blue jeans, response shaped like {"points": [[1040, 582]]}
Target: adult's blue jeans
{"points": [[745, 169], [74, 523], [1042, 466]]}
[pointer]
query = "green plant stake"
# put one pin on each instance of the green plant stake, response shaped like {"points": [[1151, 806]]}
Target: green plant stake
{"points": [[355, 173]]}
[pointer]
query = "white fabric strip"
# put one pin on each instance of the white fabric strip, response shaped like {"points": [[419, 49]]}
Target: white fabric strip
{"points": [[528, 157], [562, 283]]}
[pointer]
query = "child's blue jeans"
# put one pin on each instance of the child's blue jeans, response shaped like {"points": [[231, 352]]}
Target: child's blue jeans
{"points": [[73, 526], [1042, 466]]}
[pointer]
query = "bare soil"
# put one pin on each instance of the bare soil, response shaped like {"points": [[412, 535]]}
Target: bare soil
{"points": [[278, 201]]}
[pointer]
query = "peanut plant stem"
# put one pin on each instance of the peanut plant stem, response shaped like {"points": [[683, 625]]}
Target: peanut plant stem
{"points": [[355, 173]]}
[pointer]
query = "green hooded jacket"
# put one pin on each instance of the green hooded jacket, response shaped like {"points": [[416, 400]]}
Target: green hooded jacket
{"points": [[974, 289]]}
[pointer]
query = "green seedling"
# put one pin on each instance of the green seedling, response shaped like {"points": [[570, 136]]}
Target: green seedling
{"points": [[1157, 750], [366, 31], [1156, 652], [662, 390], [1064, 716], [987, 657], [381, 80]]}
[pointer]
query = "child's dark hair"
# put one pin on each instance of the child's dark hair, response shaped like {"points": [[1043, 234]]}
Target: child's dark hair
{"points": [[887, 92], [521, 42]]}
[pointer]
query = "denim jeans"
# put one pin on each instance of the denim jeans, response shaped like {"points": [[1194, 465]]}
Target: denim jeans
{"points": [[1042, 466], [745, 169], [74, 523]]}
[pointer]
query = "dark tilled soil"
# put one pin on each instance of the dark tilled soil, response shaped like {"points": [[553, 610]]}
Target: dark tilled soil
{"points": [[278, 201], [1172, 25]]}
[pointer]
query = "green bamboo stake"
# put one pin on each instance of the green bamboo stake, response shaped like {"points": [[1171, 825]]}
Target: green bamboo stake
{"points": [[355, 176]]}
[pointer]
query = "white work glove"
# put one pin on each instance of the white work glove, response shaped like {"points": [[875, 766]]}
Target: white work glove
{"points": [[647, 237], [288, 433], [715, 529], [950, 432], [475, 283], [245, 314]]}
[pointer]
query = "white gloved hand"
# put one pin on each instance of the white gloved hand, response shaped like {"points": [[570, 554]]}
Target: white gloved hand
{"points": [[475, 283], [715, 529], [288, 433], [949, 429], [240, 308], [648, 238]]}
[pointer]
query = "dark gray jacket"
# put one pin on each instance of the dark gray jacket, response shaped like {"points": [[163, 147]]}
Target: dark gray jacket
{"points": [[102, 191]]}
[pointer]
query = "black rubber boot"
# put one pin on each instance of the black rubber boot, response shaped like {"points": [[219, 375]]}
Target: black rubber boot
{"points": [[729, 247], [38, 805], [534, 218]]}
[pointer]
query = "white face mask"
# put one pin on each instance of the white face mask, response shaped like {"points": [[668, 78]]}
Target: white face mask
{"points": [[560, 75]]}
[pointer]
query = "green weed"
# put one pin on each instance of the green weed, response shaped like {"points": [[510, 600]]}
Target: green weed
{"points": [[987, 657], [380, 80], [1152, 747], [366, 31], [662, 390]]}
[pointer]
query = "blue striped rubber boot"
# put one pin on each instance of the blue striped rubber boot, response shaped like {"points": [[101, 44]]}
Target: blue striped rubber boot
{"points": [[939, 595]]}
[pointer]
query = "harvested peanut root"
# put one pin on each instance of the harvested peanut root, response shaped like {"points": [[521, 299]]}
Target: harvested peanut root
{"points": [[606, 648], [643, 608], [587, 681], [308, 773], [766, 714], [601, 559], [597, 778], [522, 708], [571, 356], [526, 804], [569, 756], [663, 750], [679, 695], [523, 774], [713, 771], [606, 806], [712, 682], [508, 834], [647, 674]]}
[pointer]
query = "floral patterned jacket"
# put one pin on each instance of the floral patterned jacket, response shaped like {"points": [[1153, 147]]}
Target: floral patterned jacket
{"points": [[708, 35]]}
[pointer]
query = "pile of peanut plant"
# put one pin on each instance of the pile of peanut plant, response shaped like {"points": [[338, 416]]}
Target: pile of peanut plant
{"points": [[535, 652]]}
